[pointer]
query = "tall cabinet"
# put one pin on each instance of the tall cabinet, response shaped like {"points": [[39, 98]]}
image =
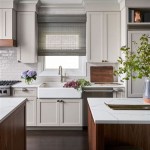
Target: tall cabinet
{"points": [[27, 37], [103, 36], [135, 87], [131, 30], [7, 24]]}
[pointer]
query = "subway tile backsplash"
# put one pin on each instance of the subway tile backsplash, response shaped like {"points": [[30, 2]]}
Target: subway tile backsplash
{"points": [[10, 69]]}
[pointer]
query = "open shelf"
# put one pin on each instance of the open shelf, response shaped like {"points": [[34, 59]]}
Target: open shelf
{"points": [[139, 15]]}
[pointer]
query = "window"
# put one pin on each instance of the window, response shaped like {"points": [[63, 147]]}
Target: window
{"points": [[62, 43], [72, 65], [67, 62]]}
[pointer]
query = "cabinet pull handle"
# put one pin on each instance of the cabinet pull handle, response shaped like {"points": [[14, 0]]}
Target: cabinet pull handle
{"points": [[5, 23], [24, 89]]}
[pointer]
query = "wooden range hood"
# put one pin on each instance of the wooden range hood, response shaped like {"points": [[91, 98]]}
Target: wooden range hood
{"points": [[8, 43]]}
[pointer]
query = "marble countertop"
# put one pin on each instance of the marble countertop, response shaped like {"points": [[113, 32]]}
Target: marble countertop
{"points": [[106, 85], [23, 84], [37, 84], [102, 114], [8, 105]]}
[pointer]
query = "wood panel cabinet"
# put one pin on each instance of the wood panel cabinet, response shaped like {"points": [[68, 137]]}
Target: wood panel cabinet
{"points": [[135, 87], [27, 37], [30, 94], [7, 24], [59, 112], [103, 36], [13, 131]]}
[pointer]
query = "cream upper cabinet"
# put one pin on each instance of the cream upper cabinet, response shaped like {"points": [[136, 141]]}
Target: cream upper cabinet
{"points": [[103, 36], [7, 24], [27, 37]]}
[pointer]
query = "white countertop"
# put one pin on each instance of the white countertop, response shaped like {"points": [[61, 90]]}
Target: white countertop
{"points": [[37, 84], [106, 85], [23, 84], [8, 105], [102, 114]]}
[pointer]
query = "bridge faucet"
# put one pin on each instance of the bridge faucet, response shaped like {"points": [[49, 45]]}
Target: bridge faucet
{"points": [[60, 73]]}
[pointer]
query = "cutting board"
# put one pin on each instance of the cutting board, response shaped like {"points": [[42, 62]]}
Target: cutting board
{"points": [[101, 74]]}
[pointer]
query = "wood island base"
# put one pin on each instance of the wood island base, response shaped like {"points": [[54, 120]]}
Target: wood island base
{"points": [[102, 136]]}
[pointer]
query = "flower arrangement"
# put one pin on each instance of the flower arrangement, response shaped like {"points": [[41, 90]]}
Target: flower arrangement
{"points": [[29, 76], [77, 84]]}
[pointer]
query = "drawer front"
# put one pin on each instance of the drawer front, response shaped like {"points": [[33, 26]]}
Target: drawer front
{"points": [[24, 92]]}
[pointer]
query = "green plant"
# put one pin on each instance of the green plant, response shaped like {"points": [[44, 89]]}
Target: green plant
{"points": [[135, 65], [82, 83], [78, 84]]}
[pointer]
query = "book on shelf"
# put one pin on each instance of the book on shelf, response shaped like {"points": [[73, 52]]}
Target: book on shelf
{"points": [[132, 15]]}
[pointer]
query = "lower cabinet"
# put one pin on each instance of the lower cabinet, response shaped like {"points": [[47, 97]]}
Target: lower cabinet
{"points": [[119, 92], [59, 112], [30, 94], [31, 111]]}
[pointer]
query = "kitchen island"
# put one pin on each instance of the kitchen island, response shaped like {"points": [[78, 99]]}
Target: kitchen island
{"points": [[109, 128], [12, 124]]}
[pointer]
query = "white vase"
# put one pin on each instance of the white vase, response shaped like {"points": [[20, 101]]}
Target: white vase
{"points": [[146, 94]]}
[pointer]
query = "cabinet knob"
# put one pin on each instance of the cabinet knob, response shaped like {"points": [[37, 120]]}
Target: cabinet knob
{"points": [[58, 100], [19, 61]]}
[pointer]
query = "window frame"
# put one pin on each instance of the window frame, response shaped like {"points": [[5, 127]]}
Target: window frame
{"points": [[66, 72]]}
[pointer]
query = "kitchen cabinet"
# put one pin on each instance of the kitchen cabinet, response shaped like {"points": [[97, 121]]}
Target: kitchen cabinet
{"points": [[135, 87], [27, 37], [7, 24], [103, 36], [59, 112], [13, 130], [30, 94], [119, 92]]}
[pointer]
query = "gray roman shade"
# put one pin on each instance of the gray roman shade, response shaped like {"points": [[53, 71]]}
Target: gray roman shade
{"points": [[62, 35]]}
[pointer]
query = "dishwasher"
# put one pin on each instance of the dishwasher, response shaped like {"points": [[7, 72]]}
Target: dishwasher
{"points": [[101, 92]]}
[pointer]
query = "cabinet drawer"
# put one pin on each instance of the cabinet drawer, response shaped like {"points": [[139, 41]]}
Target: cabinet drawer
{"points": [[25, 92]]}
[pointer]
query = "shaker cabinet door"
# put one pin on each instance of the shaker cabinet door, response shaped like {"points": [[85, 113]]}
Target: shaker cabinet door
{"points": [[26, 37], [103, 36], [94, 36], [71, 112], [135, 87]]}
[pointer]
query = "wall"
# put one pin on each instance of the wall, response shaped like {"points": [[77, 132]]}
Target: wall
{"points": [[10, 69]]}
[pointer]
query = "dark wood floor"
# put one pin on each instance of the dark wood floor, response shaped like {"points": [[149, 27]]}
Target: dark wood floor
{"points": [[57, 140]]}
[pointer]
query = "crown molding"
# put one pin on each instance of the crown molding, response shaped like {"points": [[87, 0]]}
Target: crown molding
{"points": [[101, 1]]}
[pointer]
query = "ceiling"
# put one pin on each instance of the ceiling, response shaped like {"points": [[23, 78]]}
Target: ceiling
{"points": [[64, 2]]}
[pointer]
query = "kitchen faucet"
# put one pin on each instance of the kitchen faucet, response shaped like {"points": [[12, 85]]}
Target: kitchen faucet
{"points": [[60, 73]]}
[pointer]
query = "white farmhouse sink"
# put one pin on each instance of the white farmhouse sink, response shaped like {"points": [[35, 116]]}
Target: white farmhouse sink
{"points": [[56, 90]]}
